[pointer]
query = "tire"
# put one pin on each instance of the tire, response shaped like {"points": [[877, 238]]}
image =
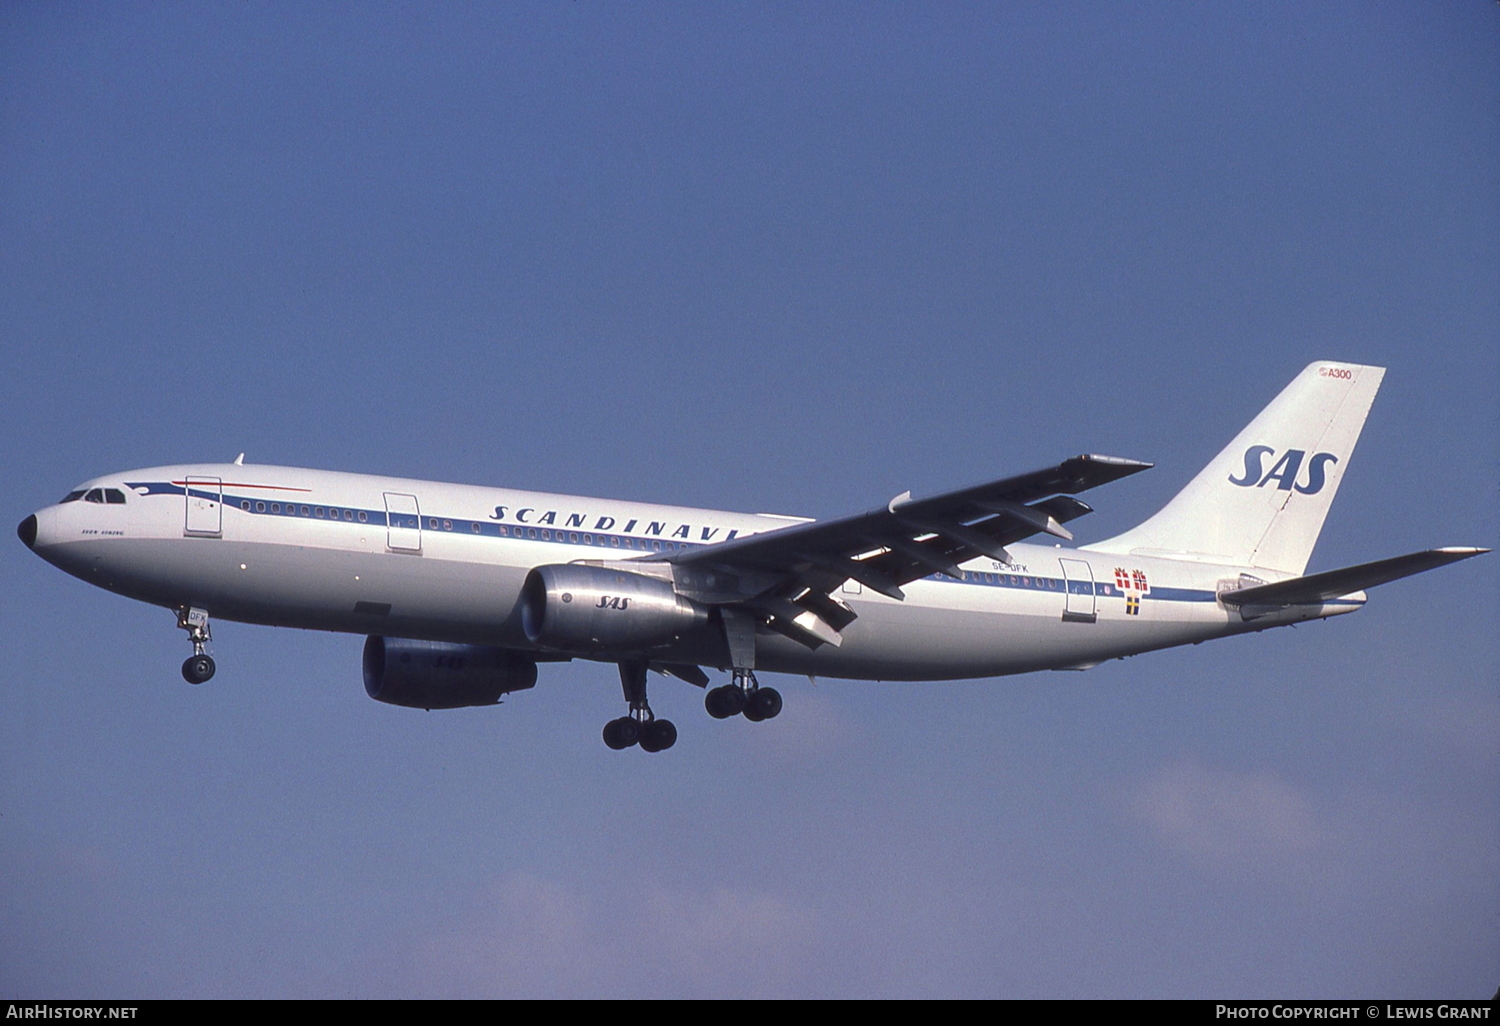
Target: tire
{"points": [[767, 702], [724, 702], [658, 736], [622, 733], [197, 669]]}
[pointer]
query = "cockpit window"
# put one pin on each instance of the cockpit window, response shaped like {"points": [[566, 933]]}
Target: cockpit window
{"points": [[94, 495], [73, 496], [114, 496]]}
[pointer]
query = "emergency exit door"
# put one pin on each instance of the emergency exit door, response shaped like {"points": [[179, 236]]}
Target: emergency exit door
{"points": [[205, 506], [1078, 578], [403, 523]]}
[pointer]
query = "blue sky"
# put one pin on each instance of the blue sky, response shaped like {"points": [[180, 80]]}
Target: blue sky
{"points": [[785, 257]]}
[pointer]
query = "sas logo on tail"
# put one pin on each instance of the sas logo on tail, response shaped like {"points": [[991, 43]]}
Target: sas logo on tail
{"points": [[1284, 473]]}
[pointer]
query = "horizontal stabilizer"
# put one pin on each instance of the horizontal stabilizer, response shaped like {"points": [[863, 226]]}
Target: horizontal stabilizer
{"points": [[1316, 588]]}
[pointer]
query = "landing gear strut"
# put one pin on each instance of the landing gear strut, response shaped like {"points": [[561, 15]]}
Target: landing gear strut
{"points": [[640, 726], [199, 666], [744, 696]]}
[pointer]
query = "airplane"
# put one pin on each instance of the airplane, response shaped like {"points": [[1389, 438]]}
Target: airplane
{"points": [[462, 590]]}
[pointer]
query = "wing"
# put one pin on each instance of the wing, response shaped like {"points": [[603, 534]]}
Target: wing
{"points": [[787, 577]]}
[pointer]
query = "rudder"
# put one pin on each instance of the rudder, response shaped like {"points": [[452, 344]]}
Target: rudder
{"points": [[1261, 502]]}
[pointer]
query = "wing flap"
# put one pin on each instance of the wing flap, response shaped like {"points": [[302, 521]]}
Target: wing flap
{"points": [[683, 671]]}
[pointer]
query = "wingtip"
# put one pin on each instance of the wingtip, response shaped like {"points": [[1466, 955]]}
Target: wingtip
{"points": [[1116, 461]]}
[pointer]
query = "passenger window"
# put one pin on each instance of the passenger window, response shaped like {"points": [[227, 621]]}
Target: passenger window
{"points": [[447, 525], [114, 496], [94, 495], [318, 511], [245, 505], [474, 527], [364, 517], [348, 514], [275, 507], [304, 511], [260, 507]]}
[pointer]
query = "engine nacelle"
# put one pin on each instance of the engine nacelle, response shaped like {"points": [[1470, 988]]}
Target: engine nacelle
{"points": [[576, 608], [438, 675]]}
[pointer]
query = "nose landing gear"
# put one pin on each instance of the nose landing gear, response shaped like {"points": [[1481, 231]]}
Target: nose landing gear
{"points": [[199, 666]]}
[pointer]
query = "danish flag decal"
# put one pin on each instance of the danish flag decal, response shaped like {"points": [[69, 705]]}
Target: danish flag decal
{"points": [[1132, 584]]}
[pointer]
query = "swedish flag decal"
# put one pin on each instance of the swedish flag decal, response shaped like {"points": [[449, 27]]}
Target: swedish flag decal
{"points": [[1132, 584]]}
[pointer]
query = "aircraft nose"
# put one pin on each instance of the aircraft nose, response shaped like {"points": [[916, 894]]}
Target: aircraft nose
{"points": [[26, 531]]}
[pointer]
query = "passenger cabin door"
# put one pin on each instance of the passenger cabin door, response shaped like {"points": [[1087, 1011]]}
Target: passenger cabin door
{"points": [[403, 522], [205, 507], [1078, 577]]}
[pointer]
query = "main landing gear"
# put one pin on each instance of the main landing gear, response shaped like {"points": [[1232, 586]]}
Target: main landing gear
{"points": [[640, 726], [199, 666], [744, 696]]}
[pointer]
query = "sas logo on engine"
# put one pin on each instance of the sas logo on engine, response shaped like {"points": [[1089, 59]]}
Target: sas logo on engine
{"points": [[1284, 472], [613, 602]]}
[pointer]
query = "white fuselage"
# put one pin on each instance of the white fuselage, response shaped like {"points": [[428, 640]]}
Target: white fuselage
{"points": [[444, 562]]}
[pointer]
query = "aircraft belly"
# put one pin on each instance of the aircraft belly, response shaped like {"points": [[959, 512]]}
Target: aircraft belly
{"points": [[929, 642], [312, 588]]}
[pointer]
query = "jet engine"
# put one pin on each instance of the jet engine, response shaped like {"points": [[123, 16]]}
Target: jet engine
{"points": [[437, 675], [577, 608]]}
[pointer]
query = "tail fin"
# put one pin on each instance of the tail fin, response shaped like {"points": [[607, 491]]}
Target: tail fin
{"points": [[1262, 501]]}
